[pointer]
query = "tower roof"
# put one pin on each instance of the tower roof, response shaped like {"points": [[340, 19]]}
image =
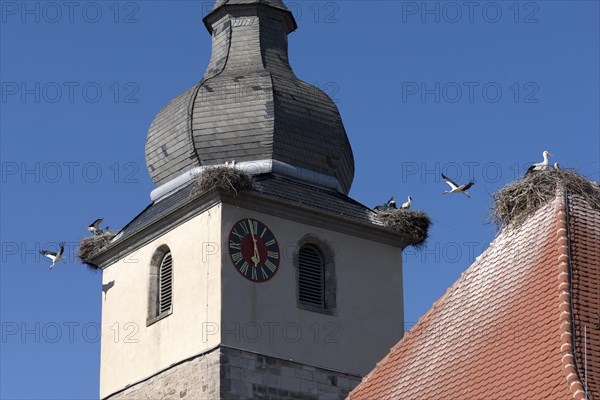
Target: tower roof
{"points": [[515, 325], [272, 3], [250, 106]]}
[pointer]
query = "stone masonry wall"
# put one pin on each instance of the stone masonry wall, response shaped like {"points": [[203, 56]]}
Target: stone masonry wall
{"points": [[248, 375], [196, 379], [232, 374]]}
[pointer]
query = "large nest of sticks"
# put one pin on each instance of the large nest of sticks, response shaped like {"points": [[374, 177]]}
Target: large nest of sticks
{"points": [[518, 200], [90, 246], [227, 179], [413, 224]]}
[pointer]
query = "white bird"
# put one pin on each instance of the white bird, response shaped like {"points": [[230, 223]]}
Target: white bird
{"points": [[232, 165], [392, 204], [541, 166], [406, 205], [55, 257], [455, 188], [556, 166], [107, 230], [94, 228]]}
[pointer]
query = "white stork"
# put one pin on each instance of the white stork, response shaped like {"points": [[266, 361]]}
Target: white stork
{"points": [[55, 257], [541, 166], [392, 203], [455, 188], [406, 206], [94, 228], [556, 166]]}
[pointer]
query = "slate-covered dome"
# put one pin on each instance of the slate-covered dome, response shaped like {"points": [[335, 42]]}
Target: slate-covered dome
{"points": [[249, 106]]}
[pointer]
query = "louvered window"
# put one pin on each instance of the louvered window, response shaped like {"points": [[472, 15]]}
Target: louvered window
{"points": [[311, 276], [165, 287]]}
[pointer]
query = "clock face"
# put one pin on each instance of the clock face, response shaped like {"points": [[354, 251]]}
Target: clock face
{"points": [[253, 250]]}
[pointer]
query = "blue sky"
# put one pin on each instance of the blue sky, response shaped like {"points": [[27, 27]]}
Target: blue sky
{"points": [[475, 91]]}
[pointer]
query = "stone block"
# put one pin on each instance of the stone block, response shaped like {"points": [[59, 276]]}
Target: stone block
{"points": [[290, 383], [302, 374]]}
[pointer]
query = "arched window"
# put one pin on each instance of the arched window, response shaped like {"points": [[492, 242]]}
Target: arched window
{"points": [[165, 289], [316, 281], [311, 276], [160, 285]]}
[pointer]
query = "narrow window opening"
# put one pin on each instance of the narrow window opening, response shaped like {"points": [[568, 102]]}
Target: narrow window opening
{"points": [[165, 291], [311, 277]]}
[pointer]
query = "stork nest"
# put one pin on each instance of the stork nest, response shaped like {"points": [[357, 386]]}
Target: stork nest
{"points": [[227, 179], [514, 203], [413, 224], [90, 246]]}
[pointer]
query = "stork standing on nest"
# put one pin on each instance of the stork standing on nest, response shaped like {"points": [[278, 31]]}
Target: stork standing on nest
{"points": [[94, 227], [54, 256], [406, 206], [541, 166], [391, 203], [455, 188]]}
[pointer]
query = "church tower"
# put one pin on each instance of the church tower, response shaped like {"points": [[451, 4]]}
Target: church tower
{"points": [[288, 290]]}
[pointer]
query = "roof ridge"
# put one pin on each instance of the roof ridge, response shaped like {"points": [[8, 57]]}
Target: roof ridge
{"points": [[569, 362]]}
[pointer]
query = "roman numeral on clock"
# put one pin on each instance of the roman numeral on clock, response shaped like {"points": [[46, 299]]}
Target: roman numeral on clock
{"points": [[244, 267], [270, 265], [237, 257], [264, 273]]}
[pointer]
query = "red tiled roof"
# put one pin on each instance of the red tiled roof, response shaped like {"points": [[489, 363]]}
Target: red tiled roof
{"points": [[504, 330]]}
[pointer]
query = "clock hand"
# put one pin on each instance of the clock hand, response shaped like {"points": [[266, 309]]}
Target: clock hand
{"points": [[256, 257]]}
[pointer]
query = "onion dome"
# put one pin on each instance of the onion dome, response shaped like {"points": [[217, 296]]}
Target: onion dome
{"points": [[250, 106]]}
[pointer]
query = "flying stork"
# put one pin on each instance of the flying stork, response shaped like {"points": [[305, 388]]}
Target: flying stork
{"points": [[455, 188], [55, 257]]}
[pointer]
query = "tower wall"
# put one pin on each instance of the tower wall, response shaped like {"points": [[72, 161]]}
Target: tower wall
{"points": [[232, 374], [131, 348], [266, 317]]}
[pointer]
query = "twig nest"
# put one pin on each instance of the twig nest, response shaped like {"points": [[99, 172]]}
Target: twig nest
{"points": [[514, 203], [413, 224], [227, 179], [90, 246]]}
